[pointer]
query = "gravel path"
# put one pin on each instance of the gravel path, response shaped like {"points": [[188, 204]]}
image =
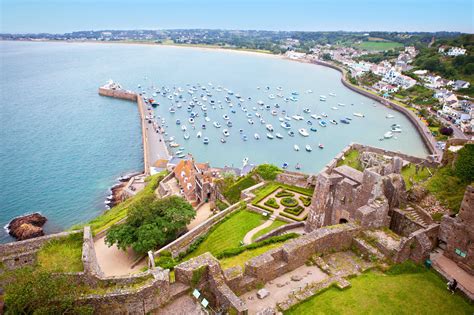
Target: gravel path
{"points": [[248, 236]]}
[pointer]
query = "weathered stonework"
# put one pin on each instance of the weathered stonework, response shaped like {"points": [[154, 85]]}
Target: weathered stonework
{"points": [[458, 233]]}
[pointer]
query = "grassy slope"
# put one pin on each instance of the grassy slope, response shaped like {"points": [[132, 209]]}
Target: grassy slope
{"points": [[375, 293], [376, 45], [447, 188], [117, 213], [409, 172], [242, 258], [351, 158], [229, 234], [63, 255], [274, 225]]}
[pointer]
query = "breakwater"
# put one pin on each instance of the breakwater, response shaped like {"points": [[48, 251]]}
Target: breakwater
{"points": [[113, 90], [422, 129]]}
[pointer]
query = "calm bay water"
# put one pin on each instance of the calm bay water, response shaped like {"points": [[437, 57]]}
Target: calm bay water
{"points": [[63, 146]]}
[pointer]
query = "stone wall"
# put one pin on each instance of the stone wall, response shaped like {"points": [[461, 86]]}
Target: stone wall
{"points": [[121, 94], [401, 224], [290, 256], [143, 300], [458, 233], [89, 258], [182, 243], [418, 245], [23, 253], [295, 179], [204, 273], [280, 230]]}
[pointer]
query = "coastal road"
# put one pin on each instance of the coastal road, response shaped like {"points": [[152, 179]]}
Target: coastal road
{"points": [[153, 140]]}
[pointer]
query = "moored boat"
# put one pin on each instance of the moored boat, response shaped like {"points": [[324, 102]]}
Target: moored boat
{"points": [[296, 147], [303, 132], [308, 148]]}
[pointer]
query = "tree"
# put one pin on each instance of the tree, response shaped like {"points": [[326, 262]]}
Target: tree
{"points": [[268, 171], [151, 223], [35, 291], [447, 131], [463, 167], [327, 57]]}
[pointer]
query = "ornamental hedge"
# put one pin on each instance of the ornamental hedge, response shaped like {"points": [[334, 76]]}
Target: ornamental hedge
{"points": [[294, 210], [289, 202], [271, 202], [305, 200], [284, 193]]}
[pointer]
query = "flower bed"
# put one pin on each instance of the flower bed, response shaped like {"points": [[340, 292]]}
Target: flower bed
{"points": [[289, 202], [284, 193], [294, 210], [305, 200], [272, 203]]}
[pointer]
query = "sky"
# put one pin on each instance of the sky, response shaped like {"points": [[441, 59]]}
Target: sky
{"points": [[61, 16]]}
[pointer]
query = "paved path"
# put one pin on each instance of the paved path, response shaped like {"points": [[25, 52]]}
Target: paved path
{"points": [[185, 305], [281, 287], [449, 268], [154, 141], [202, 214], [251, 233], [115, 262]]}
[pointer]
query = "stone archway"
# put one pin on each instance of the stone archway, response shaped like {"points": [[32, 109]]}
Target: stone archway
{"points": [[343, 221]]}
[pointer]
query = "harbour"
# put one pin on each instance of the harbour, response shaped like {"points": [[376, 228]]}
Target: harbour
{"points": [[103, 140]]}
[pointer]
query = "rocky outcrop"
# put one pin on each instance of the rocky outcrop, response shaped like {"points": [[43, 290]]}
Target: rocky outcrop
{"points": [[27, 226]]}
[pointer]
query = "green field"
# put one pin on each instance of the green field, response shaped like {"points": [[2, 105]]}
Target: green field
{"points": [[410, 175], [229, 234], [378, 45], [241, 259], [378, 293]]}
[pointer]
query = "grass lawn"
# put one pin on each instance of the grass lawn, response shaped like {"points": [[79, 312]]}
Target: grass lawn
{"points": [[351, 158], [274, 225], [377, 293], [62, 255], [242, 258], [447, 188], [228, 234], [409, 172], [117, 213], [378, 45]]}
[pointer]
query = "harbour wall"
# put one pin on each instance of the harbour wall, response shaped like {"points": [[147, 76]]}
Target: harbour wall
{"points": [[134, 97], [421, 128]]}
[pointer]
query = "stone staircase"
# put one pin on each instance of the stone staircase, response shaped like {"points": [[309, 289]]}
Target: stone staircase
{"points": [[413, 214], [369, 251]]}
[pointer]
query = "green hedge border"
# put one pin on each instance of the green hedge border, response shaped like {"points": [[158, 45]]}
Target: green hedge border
{"points": [[289, 202], [290, 210]]}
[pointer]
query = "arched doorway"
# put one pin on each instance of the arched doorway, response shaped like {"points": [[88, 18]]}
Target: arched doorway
{"points": [[342, 221]]}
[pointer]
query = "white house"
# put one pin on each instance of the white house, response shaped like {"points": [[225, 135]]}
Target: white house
{"points": [[460, 84], [456, 51]]}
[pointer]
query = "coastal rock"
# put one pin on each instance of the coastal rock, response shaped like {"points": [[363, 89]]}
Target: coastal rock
{"points": [[26, 227]]}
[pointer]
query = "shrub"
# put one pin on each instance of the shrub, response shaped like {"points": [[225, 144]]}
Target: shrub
{"points": [[221, 205], [437, 216], [295, 210], [464, 165], [165, 262], [305, 200], [268, 171], [30, 291], [232, 194], [271, 202], [289, 202], [284, 193]]}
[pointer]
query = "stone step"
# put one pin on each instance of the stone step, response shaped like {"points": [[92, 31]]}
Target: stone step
{"points": [[178, 289], [367, 249]]}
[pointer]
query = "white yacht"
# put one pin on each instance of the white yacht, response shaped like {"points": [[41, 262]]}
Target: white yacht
{"points": [[269, 136], [269, 127], [358, 115], [256, 136], [308, 148], [217, 124], [226, 132], [322, 98], [296, 147], [303, 132], [297, 117]]}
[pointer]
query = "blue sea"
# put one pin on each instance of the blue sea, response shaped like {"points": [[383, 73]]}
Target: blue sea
{"points": [[63, 146]]}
